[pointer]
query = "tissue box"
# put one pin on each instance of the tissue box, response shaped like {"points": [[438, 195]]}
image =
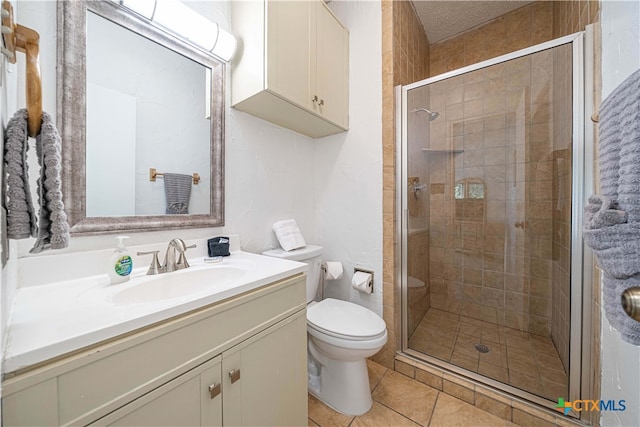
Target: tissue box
{"points": [[218, 246]]}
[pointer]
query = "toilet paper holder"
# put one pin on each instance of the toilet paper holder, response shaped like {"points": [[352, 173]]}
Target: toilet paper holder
{"points": [[356, 269]]}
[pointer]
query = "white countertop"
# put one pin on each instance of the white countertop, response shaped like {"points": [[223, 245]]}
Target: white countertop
{"points": [[52, 319]]}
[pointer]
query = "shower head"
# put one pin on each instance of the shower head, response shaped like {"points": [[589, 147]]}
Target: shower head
{"points": [[432, 114]]}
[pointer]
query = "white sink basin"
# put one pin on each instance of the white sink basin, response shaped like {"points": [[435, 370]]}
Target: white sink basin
{"points": [[60, 317], [176, 284]]}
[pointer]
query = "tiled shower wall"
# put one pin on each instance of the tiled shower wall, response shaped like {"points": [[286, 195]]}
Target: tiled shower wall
{"points": [[405, 59], [561, 223], [568, 17], [524, 27], [491, 251], [418, 284], [565, 17], [485, 283], [573, 16], [532, 24]]}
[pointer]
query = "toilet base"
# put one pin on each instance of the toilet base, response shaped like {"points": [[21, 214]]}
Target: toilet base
{"points": [[343, 386]]}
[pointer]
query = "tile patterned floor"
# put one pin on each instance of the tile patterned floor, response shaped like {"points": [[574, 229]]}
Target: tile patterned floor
{"points": [[521, 359], [400, 401]]}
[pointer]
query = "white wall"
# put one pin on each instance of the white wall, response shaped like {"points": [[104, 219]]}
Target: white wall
{"points": [[348, 166], [271, 172], [620, 22]]}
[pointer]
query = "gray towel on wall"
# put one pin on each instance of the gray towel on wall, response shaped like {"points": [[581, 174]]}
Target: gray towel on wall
{"points": [[612, 220], [21, 218], [177, 189], [50, 227], [53, 230], [624, 106]]}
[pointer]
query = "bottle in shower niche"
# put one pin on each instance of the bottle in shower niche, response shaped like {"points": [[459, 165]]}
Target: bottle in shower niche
{"points": [[120, 263]]}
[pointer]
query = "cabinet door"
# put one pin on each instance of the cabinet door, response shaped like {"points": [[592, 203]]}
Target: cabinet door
{"points": [[288, 50], [265, 377], [332, 67], [184, 401]]}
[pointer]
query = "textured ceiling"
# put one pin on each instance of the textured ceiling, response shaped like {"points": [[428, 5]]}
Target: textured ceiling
{"points": [[442, 19]]}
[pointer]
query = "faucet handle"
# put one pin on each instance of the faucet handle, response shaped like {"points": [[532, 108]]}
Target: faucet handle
{"points": [[182, 262], [182, 259], [154, 267]]}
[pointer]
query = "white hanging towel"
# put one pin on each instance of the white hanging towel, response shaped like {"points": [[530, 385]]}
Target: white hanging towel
{"points": [[289, 235]]}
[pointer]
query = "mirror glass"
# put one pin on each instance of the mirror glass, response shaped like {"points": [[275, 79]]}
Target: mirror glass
{"points": [[145, 109], [135, 99]]}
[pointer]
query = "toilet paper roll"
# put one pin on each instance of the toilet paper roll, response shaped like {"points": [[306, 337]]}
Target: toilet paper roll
{"points": [[333, 270], [363, 282]]}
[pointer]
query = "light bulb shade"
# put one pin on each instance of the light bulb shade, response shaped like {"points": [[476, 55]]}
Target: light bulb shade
{"points": [[141, 7], [226, 45], [182, 20]]}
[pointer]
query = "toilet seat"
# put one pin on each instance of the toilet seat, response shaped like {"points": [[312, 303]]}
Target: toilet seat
{"points": [[345, 321]]}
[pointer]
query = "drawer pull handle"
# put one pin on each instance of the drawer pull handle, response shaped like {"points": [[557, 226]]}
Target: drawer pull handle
{"points": [[214, 390], [234, 374]]}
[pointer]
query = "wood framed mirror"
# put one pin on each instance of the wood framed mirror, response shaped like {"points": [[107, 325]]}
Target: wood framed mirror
{"points": [[168, 150]]}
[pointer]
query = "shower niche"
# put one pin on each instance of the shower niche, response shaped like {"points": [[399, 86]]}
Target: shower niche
{"points": [[469, 199]]}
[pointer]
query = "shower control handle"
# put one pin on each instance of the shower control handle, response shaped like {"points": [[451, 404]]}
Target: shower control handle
{"points": [[630, 301]]}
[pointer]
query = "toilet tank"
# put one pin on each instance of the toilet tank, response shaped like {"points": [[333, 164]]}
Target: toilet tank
{"points": [[310, 255]]}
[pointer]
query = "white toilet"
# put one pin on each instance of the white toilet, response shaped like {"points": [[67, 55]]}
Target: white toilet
{"points": [[341, 335]]}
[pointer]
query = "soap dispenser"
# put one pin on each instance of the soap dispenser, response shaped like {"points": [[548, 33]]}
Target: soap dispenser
{"points": [[120, 263]]}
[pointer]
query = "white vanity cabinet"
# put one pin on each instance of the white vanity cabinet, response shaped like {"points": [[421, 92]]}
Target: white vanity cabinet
{"points": [[237, 362], [184, 401], [293, 65]]}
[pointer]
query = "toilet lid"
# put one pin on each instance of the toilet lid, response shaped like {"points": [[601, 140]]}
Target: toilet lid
{"points": [[346, 319]]}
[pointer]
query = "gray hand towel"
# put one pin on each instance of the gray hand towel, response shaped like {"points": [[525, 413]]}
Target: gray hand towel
{"points": [[50, 227], [21, 219], [177, 189], [624, 107], [53, 230], [615, 241], [612, 220]]}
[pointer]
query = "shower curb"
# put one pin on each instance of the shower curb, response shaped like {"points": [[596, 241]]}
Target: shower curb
{"points": [[489, 399]]}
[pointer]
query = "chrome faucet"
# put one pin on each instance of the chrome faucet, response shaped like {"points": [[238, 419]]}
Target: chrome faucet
{"points": [[176, 247], [174, 258]]}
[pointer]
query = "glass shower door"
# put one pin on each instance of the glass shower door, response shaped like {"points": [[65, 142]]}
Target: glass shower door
{"points": [[487, 175]]}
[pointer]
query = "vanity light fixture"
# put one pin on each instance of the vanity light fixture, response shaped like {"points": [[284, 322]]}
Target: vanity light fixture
{"points": [[180, 19]]}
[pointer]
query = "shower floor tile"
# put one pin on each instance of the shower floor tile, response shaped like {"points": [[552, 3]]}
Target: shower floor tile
{"points": [[517, 358]]}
